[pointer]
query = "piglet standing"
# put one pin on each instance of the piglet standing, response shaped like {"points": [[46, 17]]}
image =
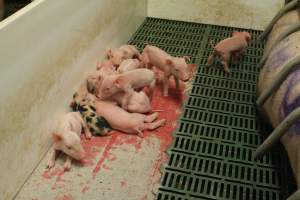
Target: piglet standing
{"points": [[171, 66], [122, 53], [233, 46], [133, 123], [66, 138]]}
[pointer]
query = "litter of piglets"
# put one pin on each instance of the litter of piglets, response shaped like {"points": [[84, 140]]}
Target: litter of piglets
{"points": [[118, 96]]}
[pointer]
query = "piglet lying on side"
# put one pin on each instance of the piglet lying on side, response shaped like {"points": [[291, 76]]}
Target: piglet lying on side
{"points": [[138, 102], [234, 46], [106, 67], [129, 64], [66, 138], [126, 82], [124, 52], [171, 66], [122, 120]]}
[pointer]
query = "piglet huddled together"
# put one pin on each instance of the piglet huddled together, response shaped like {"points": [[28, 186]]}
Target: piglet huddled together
{"points": [[117, 96]]}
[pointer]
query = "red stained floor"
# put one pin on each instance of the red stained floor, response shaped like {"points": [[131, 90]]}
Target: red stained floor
{"points": [[171, 110]]}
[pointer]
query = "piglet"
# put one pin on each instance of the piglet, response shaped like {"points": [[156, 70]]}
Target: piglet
{"points": [[127, 82], [133, 123], [106, 67], [137, 103], [93, 81], [66, 138], [171, 66], [122, 53], [234, 46], [129, 64]]}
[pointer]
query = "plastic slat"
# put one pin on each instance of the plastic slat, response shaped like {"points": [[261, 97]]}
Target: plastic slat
{"points": [[211, 156]]}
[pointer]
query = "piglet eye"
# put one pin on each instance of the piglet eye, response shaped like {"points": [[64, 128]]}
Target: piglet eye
{"points": [[69, 147]]}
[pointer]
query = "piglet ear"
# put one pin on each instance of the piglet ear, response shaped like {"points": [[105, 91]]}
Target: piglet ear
{"points": [[99, 77], [119, 82], [56, 138], [187, 58], [89, 86], [248, 37], [109, 53], [169, 61]]}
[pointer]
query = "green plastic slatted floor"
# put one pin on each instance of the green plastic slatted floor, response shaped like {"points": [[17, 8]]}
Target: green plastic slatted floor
{"points": [[211, 156]]}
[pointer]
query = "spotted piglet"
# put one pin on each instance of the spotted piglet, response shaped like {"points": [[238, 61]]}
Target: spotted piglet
{"points": [[132, 123]]}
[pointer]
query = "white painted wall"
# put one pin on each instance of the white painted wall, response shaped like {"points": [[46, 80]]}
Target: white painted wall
{"points": [[45, 50], [253, 14]]}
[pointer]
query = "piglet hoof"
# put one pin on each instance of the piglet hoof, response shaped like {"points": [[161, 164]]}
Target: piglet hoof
{"points": [[153, 111], [163, 122], [88, 136], [141, 135], [108, 133], [227, 71], [50, 165], [67, 166]]}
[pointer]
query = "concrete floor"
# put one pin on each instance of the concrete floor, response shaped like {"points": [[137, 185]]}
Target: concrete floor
{"points": [[118, 167]]}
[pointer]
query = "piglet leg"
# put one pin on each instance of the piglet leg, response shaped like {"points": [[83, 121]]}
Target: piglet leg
{"points": [[224, 61], [150, 126], [176, 81], [151, 118], [68, 163], [51, 161], [151, 88], [235, 57], [211, 58], [154, 125], [166, 85], [139, 132], [87, 133]]}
